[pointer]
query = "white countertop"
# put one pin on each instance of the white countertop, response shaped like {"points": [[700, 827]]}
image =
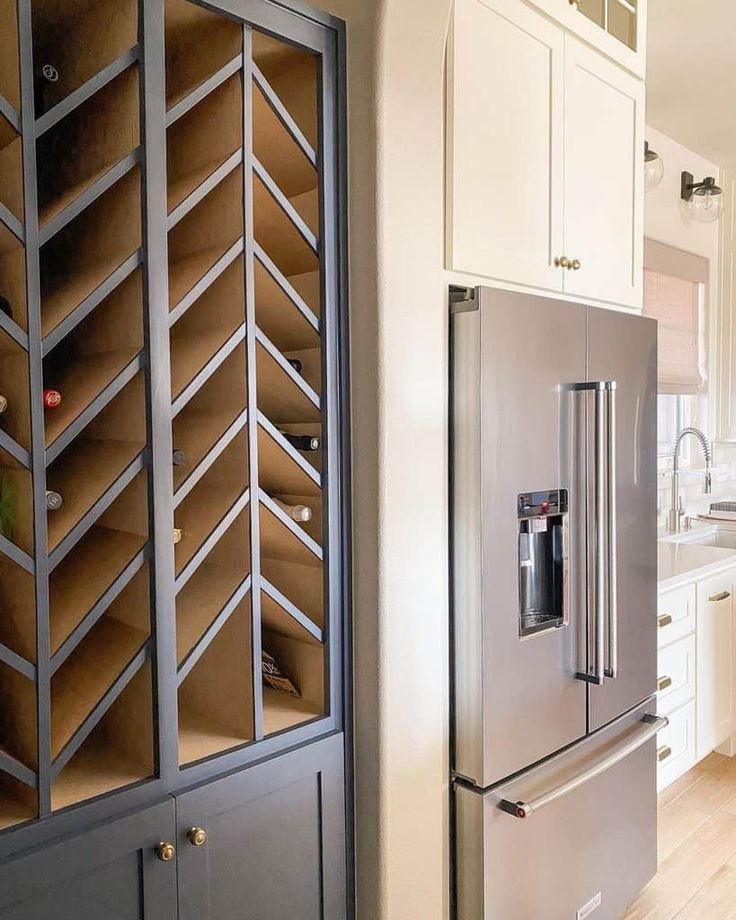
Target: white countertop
{"points": [[680, 563]]}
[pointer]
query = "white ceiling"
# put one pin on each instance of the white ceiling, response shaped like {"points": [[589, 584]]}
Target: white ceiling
{"points": [[691, 74]]}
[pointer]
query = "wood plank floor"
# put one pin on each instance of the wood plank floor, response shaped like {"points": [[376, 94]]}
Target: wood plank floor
{"points": [[697, 848]]}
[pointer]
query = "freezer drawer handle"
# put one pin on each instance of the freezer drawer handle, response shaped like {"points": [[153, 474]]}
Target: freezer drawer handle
{"points": [[664, 620], [650, 725]]}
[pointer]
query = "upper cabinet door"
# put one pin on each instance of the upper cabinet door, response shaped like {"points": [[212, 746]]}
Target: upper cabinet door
{"points": [[505, 99], [604, 178]]}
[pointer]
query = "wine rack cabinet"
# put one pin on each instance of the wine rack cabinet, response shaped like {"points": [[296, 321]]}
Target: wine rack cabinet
{"points": [[173, 425]]}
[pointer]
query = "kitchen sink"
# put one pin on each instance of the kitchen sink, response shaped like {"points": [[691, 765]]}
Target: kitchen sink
{"points": [[723, 538]]}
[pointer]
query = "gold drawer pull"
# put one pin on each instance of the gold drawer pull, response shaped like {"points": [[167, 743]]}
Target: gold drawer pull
{"points": [[663, 753], [663, 683], [721, 596], [664, 620], [197, 836]]}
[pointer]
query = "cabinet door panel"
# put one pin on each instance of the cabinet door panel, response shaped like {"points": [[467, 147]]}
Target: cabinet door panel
{"points": [[604, 174], [715, 678], [112, 873], [275, 841], [505, 143]]}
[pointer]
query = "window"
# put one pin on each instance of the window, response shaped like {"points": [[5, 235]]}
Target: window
{"points": [[675, 294]]}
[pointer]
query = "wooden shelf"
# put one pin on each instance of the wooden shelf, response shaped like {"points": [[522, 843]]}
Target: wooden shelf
{"points": [[278, 235], [80, 38], [275, 147], [282, 711], [209, 413], [13, 276], [18, 716], [16, 503], [11, 169], [207, 326], [280, 397], [216, 699], [311, 362], [198, 44], [18, 605], [118, 752], [78, 151], [200, 602], [85, 575], [87, 251], [204, 235], [293, 75], [88, 674], [279, 473], [282, 321], [17, 803], [276, 617], [203, 139], [9, 62], [14, 386], [210, 500]]}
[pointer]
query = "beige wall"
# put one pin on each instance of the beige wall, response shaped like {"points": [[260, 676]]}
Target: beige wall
{"points": [[399, 402]]}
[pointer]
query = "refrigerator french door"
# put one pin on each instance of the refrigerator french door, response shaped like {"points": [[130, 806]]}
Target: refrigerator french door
{"points": [[554, 569]]}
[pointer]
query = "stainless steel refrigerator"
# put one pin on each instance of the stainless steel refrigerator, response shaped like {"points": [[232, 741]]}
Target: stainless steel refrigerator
{"points": [[554, 572]]}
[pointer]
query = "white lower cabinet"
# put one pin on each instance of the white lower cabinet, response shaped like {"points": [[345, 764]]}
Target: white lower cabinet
{"points": [[696, 672]]}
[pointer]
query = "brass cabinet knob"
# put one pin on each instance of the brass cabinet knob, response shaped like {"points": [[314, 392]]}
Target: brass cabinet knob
{"points": [[562, 262], [197, 836], [663, 683], [663, 753], [166, 851], [575, 265], [574, 2], [664, 620]]}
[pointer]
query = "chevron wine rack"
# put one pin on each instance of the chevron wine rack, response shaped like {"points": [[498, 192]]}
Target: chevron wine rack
{"points": [[173, 469]]}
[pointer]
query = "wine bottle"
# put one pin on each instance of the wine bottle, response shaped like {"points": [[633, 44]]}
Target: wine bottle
{"points": [[3, 404], [178, 457], [5, 306], [51, 399], [44, 78], [296, 364], [302, 441], [299, 513], [178, 534], [54, 501]]}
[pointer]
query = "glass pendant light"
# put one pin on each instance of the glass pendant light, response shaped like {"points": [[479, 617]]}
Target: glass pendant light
{"points": [[705, 198], [653, 168]]}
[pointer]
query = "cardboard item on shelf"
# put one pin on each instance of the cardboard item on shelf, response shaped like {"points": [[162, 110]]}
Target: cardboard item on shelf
{"points": [[273, 676]]}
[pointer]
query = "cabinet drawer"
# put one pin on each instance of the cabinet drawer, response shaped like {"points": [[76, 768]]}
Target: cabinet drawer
{"points": [[676, 746], [675, 675], [675, 615]]}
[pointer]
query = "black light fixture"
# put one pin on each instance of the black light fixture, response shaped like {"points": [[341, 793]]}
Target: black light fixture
{"points": [[705, 198], [653, 168]]}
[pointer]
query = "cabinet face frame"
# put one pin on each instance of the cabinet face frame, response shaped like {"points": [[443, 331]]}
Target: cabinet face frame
{"points": [[299, 23]]}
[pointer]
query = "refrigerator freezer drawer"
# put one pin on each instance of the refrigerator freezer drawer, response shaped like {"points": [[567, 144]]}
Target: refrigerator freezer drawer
{"points": [[583, 841]]}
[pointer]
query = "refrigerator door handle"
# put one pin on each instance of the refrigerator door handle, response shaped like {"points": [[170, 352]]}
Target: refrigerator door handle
{"points": [[601, 494], [649, 726], [611, 512]]}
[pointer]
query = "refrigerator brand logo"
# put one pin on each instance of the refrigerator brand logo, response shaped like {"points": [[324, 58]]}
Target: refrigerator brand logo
{"points": [[587, 909]]}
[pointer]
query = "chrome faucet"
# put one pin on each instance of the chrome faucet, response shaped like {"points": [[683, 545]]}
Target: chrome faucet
{"points": [[674, 519]]}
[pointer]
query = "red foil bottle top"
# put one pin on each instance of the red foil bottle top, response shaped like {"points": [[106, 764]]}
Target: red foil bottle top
{"points": [[51, 399]]}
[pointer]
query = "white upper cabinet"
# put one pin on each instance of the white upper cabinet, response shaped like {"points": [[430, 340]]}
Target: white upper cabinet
{"points": [[505, 142], [615, 27], [604, 178], [545, 157]]}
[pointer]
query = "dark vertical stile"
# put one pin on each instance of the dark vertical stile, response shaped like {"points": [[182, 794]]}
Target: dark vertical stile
{"points": [[250, 340], [156, 325], [35, 366]]}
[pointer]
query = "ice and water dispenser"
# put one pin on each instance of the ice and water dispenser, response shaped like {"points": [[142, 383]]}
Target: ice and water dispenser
{"points": [[543, 561]]}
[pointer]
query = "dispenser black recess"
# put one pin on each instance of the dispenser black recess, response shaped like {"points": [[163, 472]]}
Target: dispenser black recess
{"points": [[543, 561]]}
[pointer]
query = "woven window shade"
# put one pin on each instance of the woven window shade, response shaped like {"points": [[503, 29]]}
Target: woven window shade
{"points": [[674, 295]]}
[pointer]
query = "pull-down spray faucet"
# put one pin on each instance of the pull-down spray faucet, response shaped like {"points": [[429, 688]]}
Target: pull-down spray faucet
{"points": [[674, 519]]}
